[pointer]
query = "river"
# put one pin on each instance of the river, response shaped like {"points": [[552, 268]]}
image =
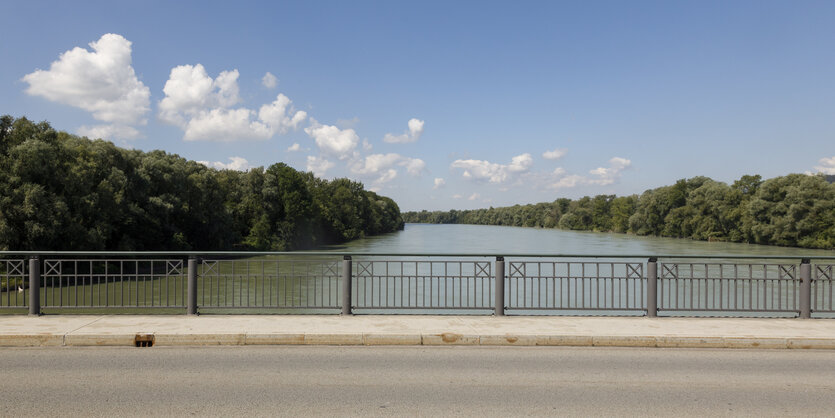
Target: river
{"points": [[477, 239]]}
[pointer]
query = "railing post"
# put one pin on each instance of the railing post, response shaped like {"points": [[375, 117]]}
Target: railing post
{"points": [[499, 302], [346, 285], [34, 286], [191, 292], [652, 288], [805, 288]]}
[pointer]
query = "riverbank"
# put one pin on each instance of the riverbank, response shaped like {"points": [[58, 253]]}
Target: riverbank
{"points": [[181, 330]]}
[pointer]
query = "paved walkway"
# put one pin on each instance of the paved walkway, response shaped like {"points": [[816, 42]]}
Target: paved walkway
{"points": [[96, 330]]}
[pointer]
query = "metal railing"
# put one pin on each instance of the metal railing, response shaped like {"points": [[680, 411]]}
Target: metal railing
{"points": [[822, 300], [575, 286], [722, 287], [324, 282], [422, 284]]}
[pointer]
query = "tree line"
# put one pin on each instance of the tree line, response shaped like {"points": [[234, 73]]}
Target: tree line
{"points": [[59, 191], [795, 210]]}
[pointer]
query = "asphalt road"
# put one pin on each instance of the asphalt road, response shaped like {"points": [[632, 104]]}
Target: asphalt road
{"points": [[415, 381]]}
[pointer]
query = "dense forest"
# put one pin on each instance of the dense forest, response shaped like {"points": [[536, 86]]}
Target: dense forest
{"points": [[63, 192], [795, 210]]}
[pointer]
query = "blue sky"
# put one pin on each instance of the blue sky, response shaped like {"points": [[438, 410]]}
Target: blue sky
{"points": [[441, 105]]}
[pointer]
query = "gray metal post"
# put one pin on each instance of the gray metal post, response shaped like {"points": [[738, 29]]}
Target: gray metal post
{"points": [[346, 285], [191, 293], [499, 305], [34, 286], [805, 288], [652, 288]]}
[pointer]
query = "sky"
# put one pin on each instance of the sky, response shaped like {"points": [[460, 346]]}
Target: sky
{"points": [[441, 105]]}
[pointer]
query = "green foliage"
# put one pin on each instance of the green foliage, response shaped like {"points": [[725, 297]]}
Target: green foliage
{"points": [[794, 210], [62, 192]]}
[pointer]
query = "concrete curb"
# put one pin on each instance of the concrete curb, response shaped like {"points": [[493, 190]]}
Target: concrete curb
{"points": [[441, 339]]}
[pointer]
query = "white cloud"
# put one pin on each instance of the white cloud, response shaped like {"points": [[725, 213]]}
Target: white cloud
{"points": [[108, 131], [280, 115], [225, 125], [474, 196], [319, 166], [366, 146], [439, 182], [382, 166], [827, 166], [411, 135], [387, 176], [494, 173], [602, 175], [202, 107], [237, 163], [102, 82], [374, 163], [333, 141], [457, 196], [608, 175], [295, 147], [414, 166], [568, 182], [269, 80], [555, 154]]}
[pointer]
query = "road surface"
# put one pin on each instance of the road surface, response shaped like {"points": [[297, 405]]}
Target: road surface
{"points": [[415, 381]]}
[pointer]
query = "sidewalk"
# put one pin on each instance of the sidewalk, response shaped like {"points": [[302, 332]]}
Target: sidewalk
{"points": [[165, 330]]}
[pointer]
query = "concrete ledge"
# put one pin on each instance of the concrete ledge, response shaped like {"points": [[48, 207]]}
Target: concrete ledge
{"points": [[274, 339], [434, 330], [449, 338], [391, 339], [418, 339], [99, 340], [753, 342], [564, 340], [811, 343], [507, 340], [198, 339], [31, 340], [333, 339], [690, 342], [623, 341]]}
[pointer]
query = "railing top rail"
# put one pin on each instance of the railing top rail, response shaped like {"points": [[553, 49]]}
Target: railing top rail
{"points": [[394, 254]]}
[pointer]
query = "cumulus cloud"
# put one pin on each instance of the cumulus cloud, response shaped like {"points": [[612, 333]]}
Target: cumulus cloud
{"points": [[601, 176], [269, 80], [494, 173], [339, 143], [827, 166], [568, 182], [236, 163], [414, 166], [474, 196], [108, 131], [382, 166], [608, 175], [203, 108], [439, 182], [411, 135], [555, 154], [319, 166], [102, 82], [295, 147]]}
